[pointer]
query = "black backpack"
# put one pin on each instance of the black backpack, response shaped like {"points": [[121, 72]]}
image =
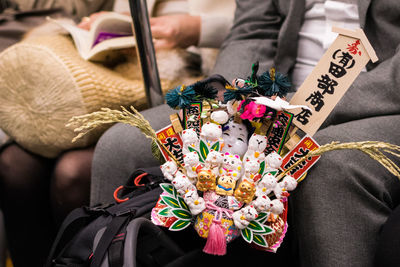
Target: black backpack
{"points": [[121, 234], [107, 235]]}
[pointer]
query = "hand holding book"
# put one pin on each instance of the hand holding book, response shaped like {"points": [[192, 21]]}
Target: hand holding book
{"points": [[97, 36]]}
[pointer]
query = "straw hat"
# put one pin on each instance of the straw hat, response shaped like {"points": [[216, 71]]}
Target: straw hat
{"points": [[44, 82]]}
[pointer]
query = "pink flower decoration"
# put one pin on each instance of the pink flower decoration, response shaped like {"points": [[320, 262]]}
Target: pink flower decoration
{"points": [[253, 110]]}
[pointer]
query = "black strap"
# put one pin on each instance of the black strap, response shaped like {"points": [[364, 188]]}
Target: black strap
{"points": [[116, 250], [63, 262], [108, 236], [70, 226], [149, 244]]}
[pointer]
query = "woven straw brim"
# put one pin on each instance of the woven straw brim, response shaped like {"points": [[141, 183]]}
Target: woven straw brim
{"points": [[44, 82]]}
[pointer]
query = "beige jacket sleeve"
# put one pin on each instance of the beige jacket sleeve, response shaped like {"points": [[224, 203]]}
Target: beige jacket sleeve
{"points": [[168, 7], [216, 20], [213, 30]]}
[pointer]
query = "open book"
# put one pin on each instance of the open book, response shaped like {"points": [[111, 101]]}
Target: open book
{"points": [[108, 32]]}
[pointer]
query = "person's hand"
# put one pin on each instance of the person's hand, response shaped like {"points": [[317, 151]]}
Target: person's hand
{"points": [[175, 31], [86, 22]]}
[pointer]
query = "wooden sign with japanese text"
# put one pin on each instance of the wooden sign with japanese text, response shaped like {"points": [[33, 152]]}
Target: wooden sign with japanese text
{"points": [[172, 141], [305, 145], [277, 135], [330, 79], [192, 117]]}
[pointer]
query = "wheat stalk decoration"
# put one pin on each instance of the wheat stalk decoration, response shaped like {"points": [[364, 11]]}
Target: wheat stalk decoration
{"points": [[90, 121], [374, 149]]}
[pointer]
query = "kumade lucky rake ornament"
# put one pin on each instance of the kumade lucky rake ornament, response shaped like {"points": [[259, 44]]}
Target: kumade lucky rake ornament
{"points": [[241, 157]]}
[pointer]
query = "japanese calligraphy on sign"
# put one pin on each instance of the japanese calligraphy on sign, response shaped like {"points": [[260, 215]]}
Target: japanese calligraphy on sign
{"points": [[277, 135], [192, 117], [331, 78], [172, 141], [305, 145]]}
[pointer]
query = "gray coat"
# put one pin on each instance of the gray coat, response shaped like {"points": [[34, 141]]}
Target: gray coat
{"points": [[339, 209], [268, 31]]}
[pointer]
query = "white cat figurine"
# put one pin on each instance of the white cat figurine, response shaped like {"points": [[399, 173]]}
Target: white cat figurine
{"points": [[251, 168], [213, 161], [219, 116], [189, 139], [244, 216], [169, 170], [262, 203], [182, 184], [256, 147], [196, 204], [287, 184], [273, 161], [267, 184], [211, 132], [191, 162], [276, 208]]}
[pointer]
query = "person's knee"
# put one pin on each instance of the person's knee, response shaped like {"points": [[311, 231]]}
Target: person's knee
{"points": [[20, 169], [72, 171]]}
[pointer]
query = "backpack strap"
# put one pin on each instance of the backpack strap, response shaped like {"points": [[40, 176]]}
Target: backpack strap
{"points": [[70, 226], [150, 246], [112, 230], [116, 249]]}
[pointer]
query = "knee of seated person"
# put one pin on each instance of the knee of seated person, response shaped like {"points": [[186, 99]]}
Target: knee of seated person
{"points": [[342, 173], [19, 168], [71, 171]]}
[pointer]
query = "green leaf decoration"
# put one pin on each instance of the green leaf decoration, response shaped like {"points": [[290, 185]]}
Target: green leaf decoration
{"points": [[268, 230], [169, 189], [273, 172], [260, 240], [161, 202], [262, 168], [179, 225], [172, 202], [191, 149], [182, 214], [203, 151], [247, 235], [183, 203], [215, 146], [255, 227], [262, 217], [165, 212]]}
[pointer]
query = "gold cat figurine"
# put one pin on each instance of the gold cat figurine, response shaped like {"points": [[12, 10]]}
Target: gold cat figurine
{"points": [[245, 191], [205, 180]]}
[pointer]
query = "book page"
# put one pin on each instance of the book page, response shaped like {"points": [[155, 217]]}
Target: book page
{"points": [[80, 36], [115, 25], [111, 23], [98, 52]]}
